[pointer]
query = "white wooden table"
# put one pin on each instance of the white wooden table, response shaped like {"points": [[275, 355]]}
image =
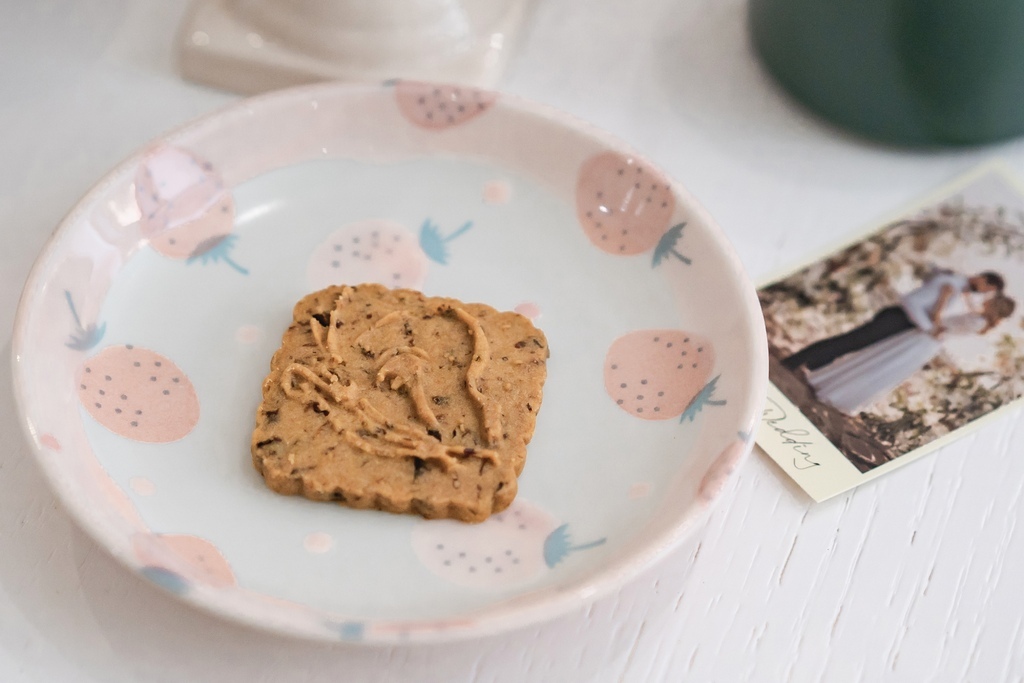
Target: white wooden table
{"points": [[914, 578]]}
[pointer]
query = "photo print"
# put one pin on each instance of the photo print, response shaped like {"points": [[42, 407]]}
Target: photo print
{"points": [[891, 346]]}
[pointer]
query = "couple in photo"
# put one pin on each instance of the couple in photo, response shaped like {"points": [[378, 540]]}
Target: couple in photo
{"points": [[851, 370]]}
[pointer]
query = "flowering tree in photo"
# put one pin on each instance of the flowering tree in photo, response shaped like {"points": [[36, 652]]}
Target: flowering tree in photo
{"points": [[847, 288]]}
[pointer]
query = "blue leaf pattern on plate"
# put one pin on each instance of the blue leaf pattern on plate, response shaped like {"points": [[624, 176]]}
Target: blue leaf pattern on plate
{"points": [[558, 545], [434, 244], [667, 246], [217, 249], [350, 630], [166, 579], [84, 337], [700, 400]]}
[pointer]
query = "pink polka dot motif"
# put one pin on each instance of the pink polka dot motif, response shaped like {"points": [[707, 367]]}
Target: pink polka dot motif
{"points": [[49, 441], [248, 334], [138, 394], [510, 547], [528, 309], [368, 251], [660, 374], [623, 204], [318, 542], [436, 107], [497, 192]]}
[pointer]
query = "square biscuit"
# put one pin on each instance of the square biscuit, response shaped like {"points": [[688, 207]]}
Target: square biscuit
{"points": [[389, 400]]}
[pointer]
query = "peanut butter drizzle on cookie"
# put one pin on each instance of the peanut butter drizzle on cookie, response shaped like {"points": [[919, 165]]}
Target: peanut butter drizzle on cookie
{"points": [[400, 366], [333, 335], [481, 357], [319, 334], [375, 434], [404, 367]]}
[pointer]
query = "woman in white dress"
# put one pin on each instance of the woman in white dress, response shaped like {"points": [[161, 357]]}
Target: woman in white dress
{"points": [[858, 379]]}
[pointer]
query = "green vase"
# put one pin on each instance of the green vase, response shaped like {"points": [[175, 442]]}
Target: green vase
{"points": [[911, 72]]}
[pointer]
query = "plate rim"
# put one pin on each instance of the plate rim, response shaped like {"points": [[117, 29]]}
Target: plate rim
{"points": [[500, 616]]}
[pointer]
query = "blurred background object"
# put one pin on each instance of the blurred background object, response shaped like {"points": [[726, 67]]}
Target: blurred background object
{"points": [[915, 72], [250, 46]]}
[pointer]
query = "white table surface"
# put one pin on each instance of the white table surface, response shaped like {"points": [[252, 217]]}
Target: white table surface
{"points": [[914, 578]]}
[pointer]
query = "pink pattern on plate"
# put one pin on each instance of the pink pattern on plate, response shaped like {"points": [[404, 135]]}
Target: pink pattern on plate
{"points": [[623, 205], [49, 441], [248, 334], [505, 549], [497, 192], [318, 542], [407, 627], [186, 211], [436, 106], [656, 374], [721, 469], [193, 558], [368, 251], [528, 309], [108, 489], [184, 204], [138, 394], [142, 486]]}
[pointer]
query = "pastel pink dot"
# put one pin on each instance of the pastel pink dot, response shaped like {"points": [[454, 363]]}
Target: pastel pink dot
{"points": [[50, 441], [497, 192], [247, 334], [201, 560], [318, 542], [528, 309], [639, 490], [142, 486]]}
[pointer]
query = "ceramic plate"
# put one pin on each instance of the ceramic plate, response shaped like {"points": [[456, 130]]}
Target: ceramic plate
{"points": [[148, 323]]}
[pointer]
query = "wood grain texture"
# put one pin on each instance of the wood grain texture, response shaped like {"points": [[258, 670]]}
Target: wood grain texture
{"points": [[913, 578]]}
